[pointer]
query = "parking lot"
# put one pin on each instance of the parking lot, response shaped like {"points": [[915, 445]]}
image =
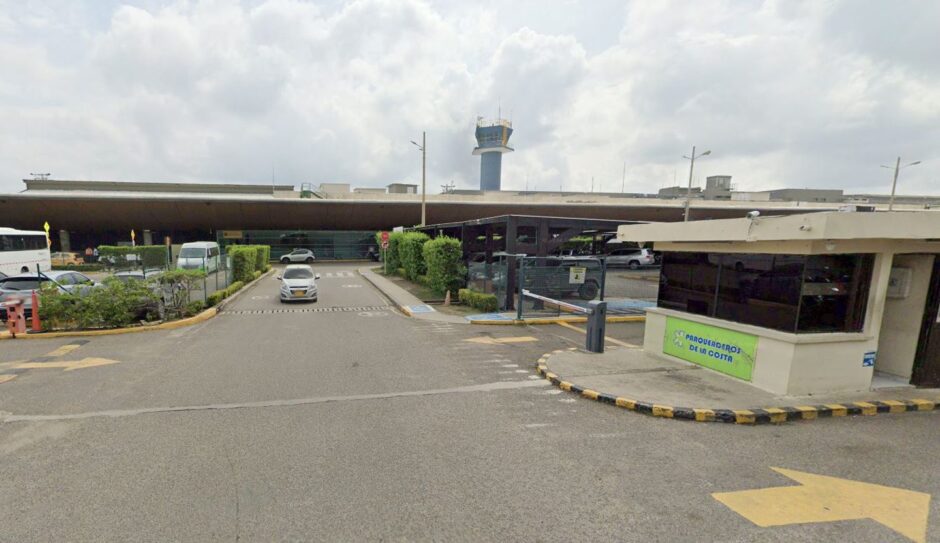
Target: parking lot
{"points": [[346, 420]]}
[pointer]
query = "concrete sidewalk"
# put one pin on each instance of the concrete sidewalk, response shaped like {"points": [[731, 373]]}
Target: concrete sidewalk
{"points": [[631, 378], [408, 303]]}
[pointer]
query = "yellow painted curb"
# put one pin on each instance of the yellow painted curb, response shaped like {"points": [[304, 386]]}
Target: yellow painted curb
{"points": [[751, 417]]}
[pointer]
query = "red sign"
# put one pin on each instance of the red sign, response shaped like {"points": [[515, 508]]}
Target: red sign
{"points": [[384, 237]]}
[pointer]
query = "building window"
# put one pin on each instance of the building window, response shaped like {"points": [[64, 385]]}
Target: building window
{"points": [[790, 293]]}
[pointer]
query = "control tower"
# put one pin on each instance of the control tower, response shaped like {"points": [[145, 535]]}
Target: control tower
{"points": [[492, 142]]}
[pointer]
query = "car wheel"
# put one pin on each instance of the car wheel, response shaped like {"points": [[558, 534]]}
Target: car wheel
{"points": [[634, 265], [588, 290], [309, 259], [285, 260]]}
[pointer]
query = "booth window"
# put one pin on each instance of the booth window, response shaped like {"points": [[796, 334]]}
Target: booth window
{"points": [[791, 293]]}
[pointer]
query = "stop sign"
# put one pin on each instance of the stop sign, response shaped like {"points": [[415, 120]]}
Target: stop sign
{"points": [[384, 236]]}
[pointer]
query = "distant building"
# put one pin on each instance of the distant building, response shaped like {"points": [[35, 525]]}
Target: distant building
{"points": [[679, 192], [334, 188], [402, 188], [791, 195], [369, 190], [717, 187]]}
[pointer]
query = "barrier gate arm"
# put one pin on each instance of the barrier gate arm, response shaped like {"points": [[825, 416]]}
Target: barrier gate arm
{"points": [[596, 324]]}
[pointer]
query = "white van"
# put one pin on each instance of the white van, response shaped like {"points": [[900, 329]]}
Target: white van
{"points": [[195, 255]]}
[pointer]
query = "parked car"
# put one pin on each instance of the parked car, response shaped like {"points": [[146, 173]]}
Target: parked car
{"points": [[555, 281], [631, 258], [199, 255], [139, 275], [66, 259], [298, 255], [22, 286], [298, 282]]}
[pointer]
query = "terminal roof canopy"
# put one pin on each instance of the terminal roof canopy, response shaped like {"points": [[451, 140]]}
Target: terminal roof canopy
{"points": [[824, 226]]}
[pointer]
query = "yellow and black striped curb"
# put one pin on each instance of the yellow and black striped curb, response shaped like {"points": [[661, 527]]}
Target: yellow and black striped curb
{"points": [[765, 415]]}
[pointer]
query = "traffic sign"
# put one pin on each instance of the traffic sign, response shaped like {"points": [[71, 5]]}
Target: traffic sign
{"points": [[385, 238], [384, 244]]}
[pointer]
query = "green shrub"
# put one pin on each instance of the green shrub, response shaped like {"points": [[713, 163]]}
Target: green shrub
{"points": [[410, 252], [400, 272], [478, 300], [79, 267], [193, 308], [177, 287], [126, 257], [113, 305], [256, 275], [214, 298], [244, 261], [391, 255], [444, 259]]}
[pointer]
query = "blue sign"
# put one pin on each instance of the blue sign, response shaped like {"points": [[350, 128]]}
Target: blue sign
{"points": [[868, 360]]}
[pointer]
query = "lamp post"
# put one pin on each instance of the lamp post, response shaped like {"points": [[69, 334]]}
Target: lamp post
{"points": [[894, 183], [688, 193], [423, 147]]}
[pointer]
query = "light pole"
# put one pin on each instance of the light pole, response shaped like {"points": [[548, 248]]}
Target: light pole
{"points": [[894, 184], [423, 148], [688, 193]]}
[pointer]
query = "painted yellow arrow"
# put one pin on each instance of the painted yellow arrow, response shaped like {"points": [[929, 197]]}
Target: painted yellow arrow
{"points": [[500, 340], [67, 365], [828, 499]]}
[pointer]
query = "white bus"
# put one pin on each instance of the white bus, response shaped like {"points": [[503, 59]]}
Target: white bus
{"points": [[22, 250]]}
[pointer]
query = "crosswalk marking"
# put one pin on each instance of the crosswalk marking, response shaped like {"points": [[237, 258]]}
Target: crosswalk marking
{"points": [[337, 275]]}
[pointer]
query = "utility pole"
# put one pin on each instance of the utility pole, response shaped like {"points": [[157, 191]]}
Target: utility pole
{"points": [[424, 155], [423, 148], [894, 183], [623, 180], [688, 193]]}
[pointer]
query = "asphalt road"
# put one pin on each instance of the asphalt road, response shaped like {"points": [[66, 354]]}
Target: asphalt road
{"points": [[344, 420]]}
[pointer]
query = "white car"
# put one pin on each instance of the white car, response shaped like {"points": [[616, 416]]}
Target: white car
{"points": [[632, 258], [298, 255], [22, 287], [298, 283]]}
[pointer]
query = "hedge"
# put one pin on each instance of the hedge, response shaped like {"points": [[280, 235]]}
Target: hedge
{"points": [[220, 295], [443, 257], [391, 255], [78, 267], [479, 300], [247, 259], [410, 252], [141, 256]]}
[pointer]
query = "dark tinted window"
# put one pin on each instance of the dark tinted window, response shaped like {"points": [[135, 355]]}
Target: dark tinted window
{"points": [[687, 283], [17, 242], [791, 293], [834, 293], [763, 290]]}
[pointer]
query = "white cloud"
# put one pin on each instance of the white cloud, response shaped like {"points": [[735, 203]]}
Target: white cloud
{"points": [[785, 93]]}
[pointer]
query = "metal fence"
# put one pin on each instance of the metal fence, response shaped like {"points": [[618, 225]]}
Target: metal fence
{"points": [[578, 281], [148, 263]]}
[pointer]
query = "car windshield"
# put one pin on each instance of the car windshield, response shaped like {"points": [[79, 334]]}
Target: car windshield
{"points": [[192, 252], [298, 273], [20, 284]]}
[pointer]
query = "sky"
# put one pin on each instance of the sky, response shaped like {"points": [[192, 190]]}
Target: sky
{"points": [[785, 93]]}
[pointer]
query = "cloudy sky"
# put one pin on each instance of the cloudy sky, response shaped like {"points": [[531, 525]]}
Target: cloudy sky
{"points": [[785, 93]]}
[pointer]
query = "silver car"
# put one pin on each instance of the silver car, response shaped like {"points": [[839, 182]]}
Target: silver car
{"points": [[298, 282], [22, 287], [298, 255]]}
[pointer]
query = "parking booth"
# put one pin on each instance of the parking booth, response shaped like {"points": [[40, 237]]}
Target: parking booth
{"points": [[801, 304]]}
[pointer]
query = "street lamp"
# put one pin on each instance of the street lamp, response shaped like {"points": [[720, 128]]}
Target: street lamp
{"points": [[894, 184], [423, 148], [688, 193]]}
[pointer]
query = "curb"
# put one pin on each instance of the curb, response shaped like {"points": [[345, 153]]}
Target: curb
{"points": [[556, 320], [766, 415], [172, 325]]}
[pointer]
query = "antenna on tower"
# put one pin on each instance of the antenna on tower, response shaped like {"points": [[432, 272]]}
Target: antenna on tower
{"points": [[448, 188], [40, 176]]}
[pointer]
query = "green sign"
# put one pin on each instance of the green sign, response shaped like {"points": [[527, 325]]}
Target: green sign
{"points": [[720, 349]]}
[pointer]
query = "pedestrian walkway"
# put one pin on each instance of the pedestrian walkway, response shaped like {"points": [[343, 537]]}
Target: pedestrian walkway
{"points": [[669, 387], [407, 302]]}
